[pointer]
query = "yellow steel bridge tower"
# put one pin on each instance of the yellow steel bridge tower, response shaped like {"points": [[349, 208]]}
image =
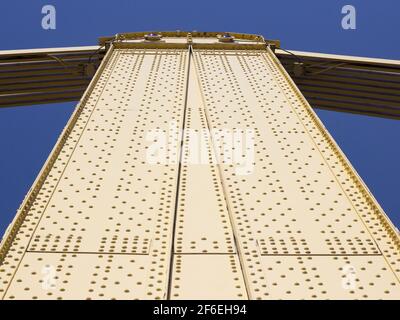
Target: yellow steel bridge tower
{"points": [[193, 167]]}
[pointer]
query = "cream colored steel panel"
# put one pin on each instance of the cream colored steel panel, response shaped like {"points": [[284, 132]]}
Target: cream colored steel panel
{"points": [[203, 223], [207, 276], [96, 204], [334, 245], [329, 277], [101, 194], [293, 202], [80, 276]]}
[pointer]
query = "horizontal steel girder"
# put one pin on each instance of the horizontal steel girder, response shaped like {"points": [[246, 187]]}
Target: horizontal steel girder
{"points": [[334, 82]]}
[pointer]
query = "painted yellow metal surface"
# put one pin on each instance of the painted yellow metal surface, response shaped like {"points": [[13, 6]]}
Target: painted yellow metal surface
{"points": [[345, 83], [50, 75], [302, 200], [101, 203], [245, 197]]}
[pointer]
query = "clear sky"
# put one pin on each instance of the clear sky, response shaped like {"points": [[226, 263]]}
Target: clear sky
{"points": [[27, 134]]}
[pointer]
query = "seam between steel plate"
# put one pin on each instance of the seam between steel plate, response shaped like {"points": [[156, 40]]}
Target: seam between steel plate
{"points": [[89, 252], [242, 252], [161, 254], [233, 222], [172, 247], [218, 259], [152, 281]]}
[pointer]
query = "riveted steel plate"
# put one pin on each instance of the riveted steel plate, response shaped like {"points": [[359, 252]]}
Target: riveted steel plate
{"points": [[329, 277], [80, 276], [207, 276]]}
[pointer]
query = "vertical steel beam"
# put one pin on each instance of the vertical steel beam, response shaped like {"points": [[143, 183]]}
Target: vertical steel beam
{"points": [[197, 174]]}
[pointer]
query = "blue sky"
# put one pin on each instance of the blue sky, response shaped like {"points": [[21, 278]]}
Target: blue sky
{"points": [[27, 134]]}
